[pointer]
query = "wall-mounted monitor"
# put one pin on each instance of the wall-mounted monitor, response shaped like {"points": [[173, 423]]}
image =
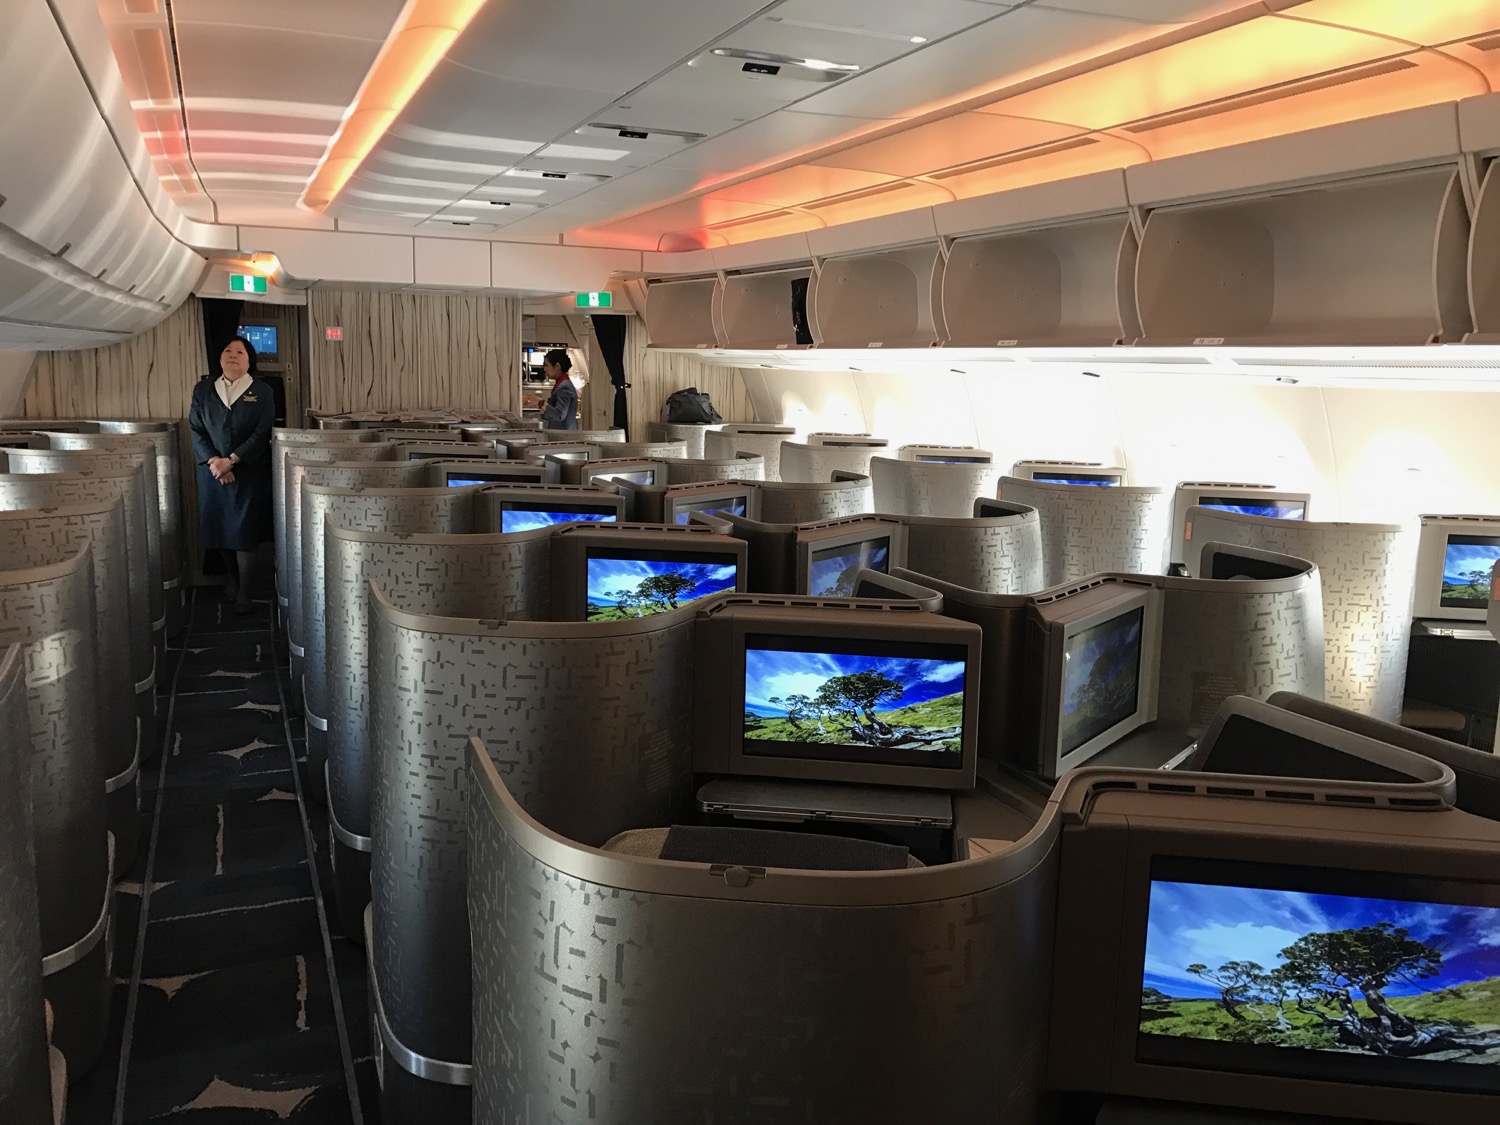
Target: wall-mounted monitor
{"points": [[734, 498], [829, 558], [848, 441], [264, 337], [635, 570], [1093, 653], [1454, 560], [645, 473], [1088, 473], [529, 509], [881, 696], [945, 455]]}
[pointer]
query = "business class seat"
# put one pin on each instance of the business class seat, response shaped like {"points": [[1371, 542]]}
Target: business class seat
{"points": [[25, 1078], [993, 553], [490, 576], [591, 722], [49, 612], [1086, 531], [920, 488], [450, 510], [163, 439], [39, 538], [1368, 571], [620, 988], [793, 503], [116, 460], [367, 470], [48, 490]]}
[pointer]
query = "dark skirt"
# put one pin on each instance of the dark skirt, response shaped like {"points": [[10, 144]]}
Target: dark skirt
{"points": [[234, 517]]}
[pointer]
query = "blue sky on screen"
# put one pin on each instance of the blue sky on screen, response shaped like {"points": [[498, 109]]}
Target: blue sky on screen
{"points": [[780, 674], [530, 521], [1461, 556], [1270, 511], [825, 572], [1193, 922], [1048, 479], [608, 575], [1080, 663]]}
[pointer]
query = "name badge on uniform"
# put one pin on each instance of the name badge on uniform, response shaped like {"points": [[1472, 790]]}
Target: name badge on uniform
{"points": [[248, 397]]}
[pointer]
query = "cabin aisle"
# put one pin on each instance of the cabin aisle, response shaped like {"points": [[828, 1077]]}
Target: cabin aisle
{"points": [[225, 1008]]}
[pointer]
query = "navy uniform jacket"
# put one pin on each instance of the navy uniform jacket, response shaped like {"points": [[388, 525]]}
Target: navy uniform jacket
{"points": [[561, 411], [233, 517]]}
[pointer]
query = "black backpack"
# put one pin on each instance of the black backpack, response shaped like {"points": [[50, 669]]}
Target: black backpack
{"points": [[691, 405]]}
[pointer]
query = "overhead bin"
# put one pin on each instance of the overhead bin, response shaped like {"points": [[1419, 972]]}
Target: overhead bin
{"points": [[1378, 260], [756, 309], [680, 314], [1072, 284], [887, 299]]}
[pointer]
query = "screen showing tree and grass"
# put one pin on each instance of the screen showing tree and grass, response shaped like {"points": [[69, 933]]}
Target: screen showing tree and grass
{"points": [[520, 515], [1467, 561], [880, 702], [1101, 678], [724, 505], [1255, 506], [637, 583], [1089, 479], [831, 572], [1314, 973]]}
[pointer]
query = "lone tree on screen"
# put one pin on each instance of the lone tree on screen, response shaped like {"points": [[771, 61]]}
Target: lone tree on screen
{"points": [[1477, 579], [656, 594], [855, 697], [1238, 983], [1320, 976], [799, 708]]}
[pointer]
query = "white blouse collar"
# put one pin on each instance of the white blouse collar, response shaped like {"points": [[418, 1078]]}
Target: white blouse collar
{"points": [[229, 393]]}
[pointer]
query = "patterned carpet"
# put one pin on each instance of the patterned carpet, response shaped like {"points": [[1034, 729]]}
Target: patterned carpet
{"points": [[237, 998]]}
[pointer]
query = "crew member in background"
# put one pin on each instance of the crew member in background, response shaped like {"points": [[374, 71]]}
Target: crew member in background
{"points": [[231, 419], [561, 411]]}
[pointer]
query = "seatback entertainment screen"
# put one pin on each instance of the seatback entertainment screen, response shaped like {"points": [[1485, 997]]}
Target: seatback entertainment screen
{"points": [[1322, 974], [1101, 678], [638, 583], [530, 515], [897, 703], [1255, 506], [1092, 479], [1467, 562], [831, 571]]}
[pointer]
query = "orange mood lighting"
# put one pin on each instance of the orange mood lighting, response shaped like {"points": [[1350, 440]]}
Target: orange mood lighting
{"points": [[421, 36]]}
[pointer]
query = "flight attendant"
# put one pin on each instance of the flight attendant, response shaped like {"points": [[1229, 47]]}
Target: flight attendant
{"points": [[561, 411], [231, 419]]}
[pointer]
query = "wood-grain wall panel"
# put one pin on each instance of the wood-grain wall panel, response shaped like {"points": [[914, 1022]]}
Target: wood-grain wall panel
{"points": [[414, 351], [654, 375]]}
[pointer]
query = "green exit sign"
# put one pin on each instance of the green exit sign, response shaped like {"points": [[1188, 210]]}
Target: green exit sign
{"points": [[246, 283], [594, 300]]}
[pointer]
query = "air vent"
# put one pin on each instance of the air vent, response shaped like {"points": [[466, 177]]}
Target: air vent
{"points": [[819, 69], [855, 196], [1279, 93], [1488, 43], [1012, 158], [729, 224]]}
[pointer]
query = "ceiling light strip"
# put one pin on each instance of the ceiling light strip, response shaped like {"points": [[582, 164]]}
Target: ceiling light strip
{"points": [[421, 36]]}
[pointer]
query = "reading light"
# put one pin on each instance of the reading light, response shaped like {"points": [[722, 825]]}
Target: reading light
{"points": [[422, 35], [919, 38]]}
